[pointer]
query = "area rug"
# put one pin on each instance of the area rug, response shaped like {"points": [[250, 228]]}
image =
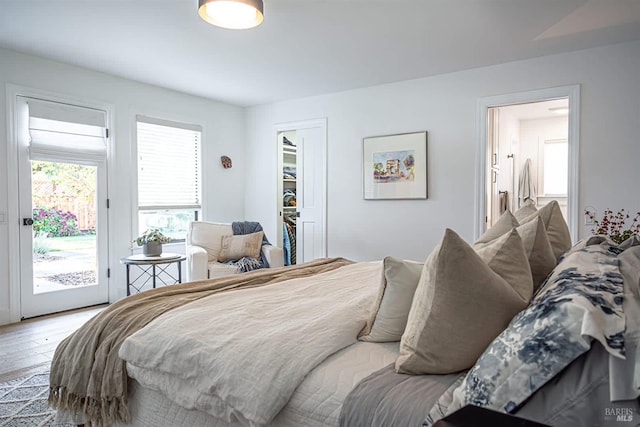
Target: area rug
{"points": [[23, 402]]}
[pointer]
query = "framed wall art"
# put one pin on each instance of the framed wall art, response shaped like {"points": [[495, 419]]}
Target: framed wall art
{"points": [[395, 166]]}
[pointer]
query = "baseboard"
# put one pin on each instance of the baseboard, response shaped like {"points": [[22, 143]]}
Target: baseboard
{"points": [[5, 317]]}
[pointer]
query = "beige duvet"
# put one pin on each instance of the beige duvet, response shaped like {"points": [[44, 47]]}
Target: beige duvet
{"points": [[240, 355]]}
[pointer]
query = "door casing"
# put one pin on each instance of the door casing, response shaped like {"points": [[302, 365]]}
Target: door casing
{"points": [[13, 314], [572, 93], [320, 175]]}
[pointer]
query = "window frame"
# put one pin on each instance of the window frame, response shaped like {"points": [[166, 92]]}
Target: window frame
{"points": [[540, 181], [183, 124]]}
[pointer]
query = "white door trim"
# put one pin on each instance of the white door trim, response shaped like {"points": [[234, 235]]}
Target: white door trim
{"points": [[573, 94], [307, 124], [13, 212]]}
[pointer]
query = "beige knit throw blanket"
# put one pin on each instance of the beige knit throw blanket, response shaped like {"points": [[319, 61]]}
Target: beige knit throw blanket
{"points": [[89, 380]]}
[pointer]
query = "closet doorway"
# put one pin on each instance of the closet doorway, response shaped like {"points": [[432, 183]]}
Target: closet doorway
{"points": [[527, 153], [301, 204]]}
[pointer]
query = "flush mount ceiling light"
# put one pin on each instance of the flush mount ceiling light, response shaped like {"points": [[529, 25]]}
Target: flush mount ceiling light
{"points": [[234, 14]]}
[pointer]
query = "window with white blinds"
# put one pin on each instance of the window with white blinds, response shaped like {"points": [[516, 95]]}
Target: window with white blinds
{"points": [[169, 192]]}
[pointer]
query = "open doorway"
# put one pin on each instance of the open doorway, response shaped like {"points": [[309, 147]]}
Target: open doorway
{"points": [[497, 170], [528, 156]]}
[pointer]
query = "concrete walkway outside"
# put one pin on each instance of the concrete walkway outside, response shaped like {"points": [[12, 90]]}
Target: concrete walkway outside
{"points": [[58, 270]]}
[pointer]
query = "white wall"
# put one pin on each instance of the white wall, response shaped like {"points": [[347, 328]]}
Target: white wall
{"points": [[223, 134], [445, 106]]}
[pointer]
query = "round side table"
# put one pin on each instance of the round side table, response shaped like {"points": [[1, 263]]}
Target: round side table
{"points": [[152, 269]]}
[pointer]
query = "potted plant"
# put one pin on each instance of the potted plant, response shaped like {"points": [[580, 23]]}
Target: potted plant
{"points": [[151, 241]]}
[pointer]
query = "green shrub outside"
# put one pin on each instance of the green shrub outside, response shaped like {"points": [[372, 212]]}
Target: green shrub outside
{"points": [[53, 222]]}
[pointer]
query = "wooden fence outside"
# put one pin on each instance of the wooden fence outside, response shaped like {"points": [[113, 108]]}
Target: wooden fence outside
{"points": [[44, 195]]}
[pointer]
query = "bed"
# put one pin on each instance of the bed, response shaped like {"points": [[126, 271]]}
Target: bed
{"points": [[333, 342]]}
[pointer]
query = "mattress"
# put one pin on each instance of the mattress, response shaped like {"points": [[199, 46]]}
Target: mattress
{"points": [[316, 402]]}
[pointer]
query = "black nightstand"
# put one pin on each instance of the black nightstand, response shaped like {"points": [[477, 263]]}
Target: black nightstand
{"points": [[474, 416]]}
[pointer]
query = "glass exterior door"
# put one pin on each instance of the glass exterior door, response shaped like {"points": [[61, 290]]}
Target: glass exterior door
{"points": [[63, 227], [61, 271]]}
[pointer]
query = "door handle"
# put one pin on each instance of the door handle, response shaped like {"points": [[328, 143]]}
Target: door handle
{"points": [[27, 221], [297, 214]]}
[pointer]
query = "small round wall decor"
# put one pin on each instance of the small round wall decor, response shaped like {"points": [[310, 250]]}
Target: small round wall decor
{"points": [[226, 162]]}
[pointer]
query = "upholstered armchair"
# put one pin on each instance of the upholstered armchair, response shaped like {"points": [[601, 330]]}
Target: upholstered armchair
{"points": [[204, 248]]}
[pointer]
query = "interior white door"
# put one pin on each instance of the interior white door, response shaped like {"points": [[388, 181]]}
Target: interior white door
{"points": [[311, 206], [60, 271]]}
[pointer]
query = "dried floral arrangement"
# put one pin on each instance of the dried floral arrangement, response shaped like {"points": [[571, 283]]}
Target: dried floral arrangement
{"points": [[614, 225]]}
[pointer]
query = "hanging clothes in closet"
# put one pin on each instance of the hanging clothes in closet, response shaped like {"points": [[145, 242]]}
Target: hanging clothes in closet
{"points": [[289, 240], [286, 244]]}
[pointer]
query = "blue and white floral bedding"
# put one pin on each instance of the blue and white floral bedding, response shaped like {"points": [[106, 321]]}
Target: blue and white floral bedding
{"points": [[580, 301]]}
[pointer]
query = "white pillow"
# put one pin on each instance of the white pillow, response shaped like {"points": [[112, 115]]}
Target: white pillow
{"points": [[391, 309]]}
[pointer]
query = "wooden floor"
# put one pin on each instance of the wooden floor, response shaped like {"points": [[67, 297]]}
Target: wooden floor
{"points": [[28, 346]]}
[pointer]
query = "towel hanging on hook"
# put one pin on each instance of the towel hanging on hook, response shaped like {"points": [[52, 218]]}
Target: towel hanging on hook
{"points": [[526, 189]]}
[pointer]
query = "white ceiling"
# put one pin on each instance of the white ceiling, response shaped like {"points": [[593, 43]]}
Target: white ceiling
{"points": [[307, 47], [538, 110]]}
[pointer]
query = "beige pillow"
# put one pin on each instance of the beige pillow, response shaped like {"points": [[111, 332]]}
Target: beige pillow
{"points": [[537, 247], [207, 235], [505, 224], [463, 301], [391, 309], [556, 226], [542, 259], [241, 245], [527, 209], [507, 257], [630, 242]]}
